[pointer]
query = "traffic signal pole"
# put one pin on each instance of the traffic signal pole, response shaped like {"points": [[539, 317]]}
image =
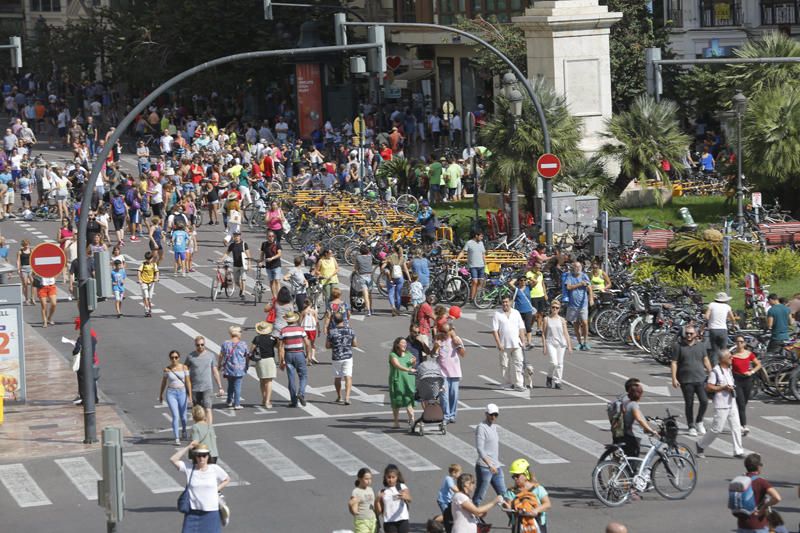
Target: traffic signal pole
{"points": [[89, 415]]}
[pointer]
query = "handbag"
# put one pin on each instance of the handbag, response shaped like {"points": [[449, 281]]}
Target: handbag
{"points": [[184, 503], [272, 315]]}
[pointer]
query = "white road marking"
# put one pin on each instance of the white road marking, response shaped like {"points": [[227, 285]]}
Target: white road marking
{"points": [[463, 450], [397, 451], [660, 389], [571, 437], [517, 394], [167, 317], [201, 278], [157, 311], [19, 483], [473, 343], [61, 294], [528, 448], [81, 474], [776, 441], [274, 460], [785, 421], [191, 332], [133, 288], [283, 392], [463, 405], [150, 473], [236, 479], [174, 286], [590, 393], [333, 453], [606, 426]]}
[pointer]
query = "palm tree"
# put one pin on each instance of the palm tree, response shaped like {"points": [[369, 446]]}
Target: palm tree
{"points": [[640, 138], [514, 153], [752, 78], [588, 177]]}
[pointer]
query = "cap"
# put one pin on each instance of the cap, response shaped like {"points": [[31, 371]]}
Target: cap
{"points": [[425, 203], [492, 409]]}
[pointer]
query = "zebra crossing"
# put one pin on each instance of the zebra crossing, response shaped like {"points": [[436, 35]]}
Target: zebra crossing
{"points": [[547, 443]]}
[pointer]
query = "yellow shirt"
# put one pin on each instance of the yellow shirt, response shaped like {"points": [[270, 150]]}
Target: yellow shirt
{"points": [[537, 284], [598, 281], [326, 269], [147, 272]]}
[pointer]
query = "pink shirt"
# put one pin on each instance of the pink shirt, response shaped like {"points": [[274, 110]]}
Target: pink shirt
{"points": [[274, 220], [449, 360]]}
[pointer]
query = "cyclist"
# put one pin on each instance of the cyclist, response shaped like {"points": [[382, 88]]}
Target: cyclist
{"points": [[528, 489], [633, 414]]}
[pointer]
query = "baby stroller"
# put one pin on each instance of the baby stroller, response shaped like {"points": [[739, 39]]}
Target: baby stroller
{"points": [[430, 383], [357, 302]]}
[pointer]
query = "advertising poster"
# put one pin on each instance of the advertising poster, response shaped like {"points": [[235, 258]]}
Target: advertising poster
{"points": [[309, 98], [10, 355]]}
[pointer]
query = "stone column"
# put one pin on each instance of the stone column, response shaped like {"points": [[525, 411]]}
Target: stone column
{"points": [[568, 46]]}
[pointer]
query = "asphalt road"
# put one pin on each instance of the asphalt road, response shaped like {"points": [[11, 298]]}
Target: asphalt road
{"points": [[293, 469]]}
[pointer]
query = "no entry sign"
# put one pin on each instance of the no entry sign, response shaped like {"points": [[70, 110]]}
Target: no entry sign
{"points": [[548, 166], [48, 260]]}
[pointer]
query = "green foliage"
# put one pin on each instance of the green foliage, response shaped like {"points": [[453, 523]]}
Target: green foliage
{"points": [[641, 137], [705, 210], [702, 90], [671, 276], [396, 167], [754, 78], [779, 265], [702, 251], [588, 177], [508, 38]]}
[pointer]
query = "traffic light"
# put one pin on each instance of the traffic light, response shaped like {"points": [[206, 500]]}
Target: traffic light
{"points": [[376, 57], [267, 9], [340, 28], [16, 52], [111, 489]]}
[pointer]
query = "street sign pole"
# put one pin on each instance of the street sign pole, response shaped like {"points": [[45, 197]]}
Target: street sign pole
{"points": [[548, 166], [470, 141], [726, 255]]}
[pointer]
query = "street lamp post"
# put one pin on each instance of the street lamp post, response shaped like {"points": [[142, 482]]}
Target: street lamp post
{"points": [[740, 106], [515, 100]]}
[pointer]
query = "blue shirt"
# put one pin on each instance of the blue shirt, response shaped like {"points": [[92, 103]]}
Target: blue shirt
{"points": [[5, 177], [707, 162], [446, 491], [522, 300], [179, 240], [422, 268], [578, 298], [780, 322], [118, 278]]}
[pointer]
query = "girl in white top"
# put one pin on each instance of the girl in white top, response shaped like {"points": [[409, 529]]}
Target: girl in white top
{"points": [[393, 500], [555, 342], [205, 482], [717, 316], [309, 321], [466, 513]]}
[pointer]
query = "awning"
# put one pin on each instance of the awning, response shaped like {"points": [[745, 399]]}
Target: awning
{"points": [[412, 75]]}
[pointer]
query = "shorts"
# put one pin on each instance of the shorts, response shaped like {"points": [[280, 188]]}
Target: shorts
{"points": [[180, 256], [312, 335], [434, 189], [239, 274], [343, 368], [135, 216], [577, 313], [452, 191], [26, 197], [274, 274], [362, 281], [477, 272], [10, 196], [527, 319], [540, 304], [119, 222], [266, 368], [402, 525], [203, 397], [48, 291], [61, 194], [119, 295], [148, 290], [155, 246]]}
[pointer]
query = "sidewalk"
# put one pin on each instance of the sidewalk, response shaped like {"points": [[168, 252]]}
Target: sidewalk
{"points": [[49, 425]]}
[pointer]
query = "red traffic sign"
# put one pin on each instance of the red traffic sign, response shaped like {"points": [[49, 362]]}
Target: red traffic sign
{"points": [[548, 166], [48, 260]]}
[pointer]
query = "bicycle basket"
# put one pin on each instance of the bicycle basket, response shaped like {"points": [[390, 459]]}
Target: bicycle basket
{"points": [[670, 431]]}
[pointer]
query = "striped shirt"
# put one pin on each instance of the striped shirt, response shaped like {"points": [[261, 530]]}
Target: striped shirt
{"points": [[292, 337]]}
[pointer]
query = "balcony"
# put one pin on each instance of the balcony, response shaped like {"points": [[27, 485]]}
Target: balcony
{"points": [[716, 14], [675, 14], [10, 7], [774, 13]]}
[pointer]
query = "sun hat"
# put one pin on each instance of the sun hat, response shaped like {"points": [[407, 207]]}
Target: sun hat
{"points": [[264, 328], [722, 297], [201, 448], [291, 317]]}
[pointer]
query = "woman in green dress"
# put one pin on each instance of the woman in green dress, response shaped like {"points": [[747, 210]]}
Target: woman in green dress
{"points": [[401, 381]]}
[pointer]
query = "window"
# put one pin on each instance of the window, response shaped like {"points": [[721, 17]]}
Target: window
{"points": [[720, 13], [46, 5], [775, 12], [502, 9], [447, 82]]}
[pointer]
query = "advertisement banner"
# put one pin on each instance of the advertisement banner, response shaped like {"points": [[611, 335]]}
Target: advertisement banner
{"points": [[10, 353], [309, 98]]}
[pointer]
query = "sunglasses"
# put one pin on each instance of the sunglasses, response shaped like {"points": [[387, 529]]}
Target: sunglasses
{"points": [[198, 455], [199, 345], [174, 358], [494, 414]]}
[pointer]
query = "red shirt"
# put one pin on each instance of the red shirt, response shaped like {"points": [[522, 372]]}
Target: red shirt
{"points": [[756, 521], [386, 154], [196, 172], [425, 318], [266, 166], [742, 365]]}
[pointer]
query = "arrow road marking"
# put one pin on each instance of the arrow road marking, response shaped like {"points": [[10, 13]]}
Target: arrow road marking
{"points": [[225, 316], [367, 398]]}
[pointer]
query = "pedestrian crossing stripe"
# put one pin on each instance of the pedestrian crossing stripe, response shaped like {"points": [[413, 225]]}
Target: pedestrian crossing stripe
{"points": [[571, 437], [332, 452], [397, 450], [81, 474], [275, 461], [150, 473], [22, 487]]}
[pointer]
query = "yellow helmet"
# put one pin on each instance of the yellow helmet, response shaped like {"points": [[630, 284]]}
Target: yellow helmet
{"points": [[520, 466]]}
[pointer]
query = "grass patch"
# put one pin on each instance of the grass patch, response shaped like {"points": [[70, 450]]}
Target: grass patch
{"points": [[461, 215], [784, 287], [705, 210]]}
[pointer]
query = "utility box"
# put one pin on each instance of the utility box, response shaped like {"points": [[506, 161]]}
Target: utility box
{"points": [[620, 231], [587, 209], [563, 210]]}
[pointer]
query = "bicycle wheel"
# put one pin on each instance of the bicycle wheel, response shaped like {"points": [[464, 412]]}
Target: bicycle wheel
{"points": [[794, 383], [612, 483], [228, 285], [407, 203], [258, 292], [681, 448], [674, 476], [250, 214], [484, 297], [456, 292], [214, 288], [380, 280], [198, 218]]}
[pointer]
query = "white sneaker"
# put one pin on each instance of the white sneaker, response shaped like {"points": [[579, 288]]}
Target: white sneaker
{"points": [[701, 429], [692, 432]]}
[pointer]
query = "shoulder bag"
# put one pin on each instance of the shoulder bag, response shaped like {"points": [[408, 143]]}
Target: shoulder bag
{"points": [[184, 503]]}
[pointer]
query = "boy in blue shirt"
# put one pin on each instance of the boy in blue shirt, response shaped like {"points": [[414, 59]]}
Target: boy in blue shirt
{"points": [[180, 240], [118, 277], [446, 492]]}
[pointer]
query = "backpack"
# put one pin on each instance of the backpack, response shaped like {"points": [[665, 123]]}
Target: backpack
{"points": [[616, 417], [741, 498], [255, 355], [119, 205], [526, 502]]}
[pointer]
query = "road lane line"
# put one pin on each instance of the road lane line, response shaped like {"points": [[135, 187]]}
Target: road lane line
{"points": [[776, 441], [150, 473], [236, 479], [527, 448], [191, 332], [81, 474], [590, 393], [571, 437], [22, 487], [473, 343], [333, 453], [274, 460], [397, 451], [785, 421], [606, 426], [509, 392], [133, 288], [461, 449], [202, 279], [174, 286]]}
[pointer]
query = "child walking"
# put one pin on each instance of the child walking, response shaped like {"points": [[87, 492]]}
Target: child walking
{"points": [[118, 277], [362, 503], [310, 321]]}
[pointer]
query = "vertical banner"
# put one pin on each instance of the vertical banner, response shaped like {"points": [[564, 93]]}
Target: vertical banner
{"points": [[12, 359], [309, 98]]}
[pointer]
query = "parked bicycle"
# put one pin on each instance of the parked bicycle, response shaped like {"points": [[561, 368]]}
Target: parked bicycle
{"points": [[223, 280]]}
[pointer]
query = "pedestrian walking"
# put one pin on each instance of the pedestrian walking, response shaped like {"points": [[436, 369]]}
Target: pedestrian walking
{"points": [[447, 490], [465, 513], [335, 305], [203, 373], [475, 252], [396, 272], [580, 296], [298, 283], [425, 320], [555, 343], [721, 383], [509, 336], [232, 361], [25, 270], [203, 433], [310, 323], [402, 385], [779, 322], [363, 272], [415, 345], [177, 383], [205, 482], [239, 252], [48, 298], [449, 350], [271, 253], [765, 496], [327, 270], [488, 468], [538, 294], [118, 277], [393, 500], [690, 366], [523, 304], [262, 353], [745, 365], [341, 340], [362, 503], [148, 277], [283, 305], [717, 316], [293, 352], [83, 373]]}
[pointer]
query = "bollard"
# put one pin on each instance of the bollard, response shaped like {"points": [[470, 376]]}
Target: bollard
{"points": [[686, 215]]}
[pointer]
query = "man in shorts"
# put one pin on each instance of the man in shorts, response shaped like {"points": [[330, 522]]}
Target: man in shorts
{"points": [[341, 340], [271, 259], [581, 296], [180, 240], [202, 369], [476, 261], [148, 277], [240, 253]]}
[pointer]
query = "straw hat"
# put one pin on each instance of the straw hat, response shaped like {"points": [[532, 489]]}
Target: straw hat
{"points": [[291, 317], [264, 328]]}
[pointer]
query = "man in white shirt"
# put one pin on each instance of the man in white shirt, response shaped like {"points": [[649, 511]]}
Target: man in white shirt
{"points": [[282, 130], [718, 314], [721, 385], [508, 329], [166, 143], [455, 129]]}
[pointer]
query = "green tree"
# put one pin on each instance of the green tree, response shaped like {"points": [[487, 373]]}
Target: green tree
{"points": [[507, 38], [514, 152], [641, 137], [587, 177], [753, 78]]}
